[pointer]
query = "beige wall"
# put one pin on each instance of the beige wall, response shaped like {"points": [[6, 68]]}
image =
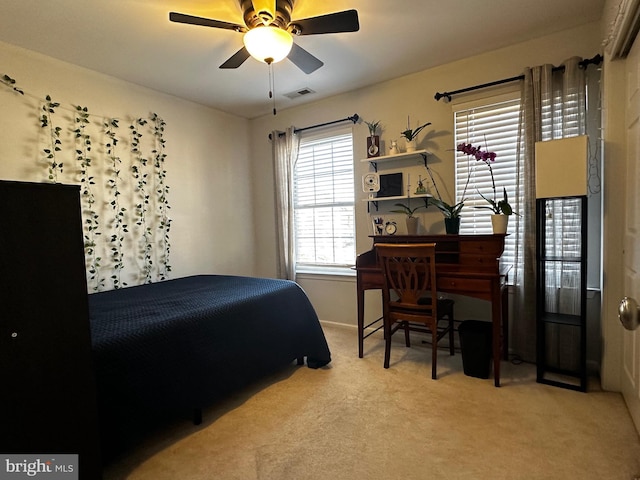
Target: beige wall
{"points": [[391, 102], [207, 165]]}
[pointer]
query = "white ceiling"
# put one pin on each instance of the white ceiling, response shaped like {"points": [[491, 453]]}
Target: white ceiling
{"points": [[134, 40]]}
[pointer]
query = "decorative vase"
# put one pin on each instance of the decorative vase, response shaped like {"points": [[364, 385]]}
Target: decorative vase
{"points": [[452, 225], [373, 146], [499, 223], [412, 225], [411, 145]]}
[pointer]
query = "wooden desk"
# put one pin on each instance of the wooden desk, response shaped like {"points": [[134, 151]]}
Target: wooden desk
{"points": [[465, 265]]}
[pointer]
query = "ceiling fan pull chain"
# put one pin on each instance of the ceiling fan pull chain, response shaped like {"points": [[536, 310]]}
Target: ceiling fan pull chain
{"points": [[272, 87]]}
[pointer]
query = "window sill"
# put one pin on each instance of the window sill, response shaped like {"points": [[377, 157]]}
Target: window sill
{"points": [[313, 271]]}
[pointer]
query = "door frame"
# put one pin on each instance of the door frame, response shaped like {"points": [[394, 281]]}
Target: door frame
{"points": [[616, 158]]}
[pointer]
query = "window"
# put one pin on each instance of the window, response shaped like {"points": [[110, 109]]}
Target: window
{"points": [[495, 128], [323, 198]]}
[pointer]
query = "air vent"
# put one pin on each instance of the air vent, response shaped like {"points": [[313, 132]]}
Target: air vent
{"points": [[299, 93]]}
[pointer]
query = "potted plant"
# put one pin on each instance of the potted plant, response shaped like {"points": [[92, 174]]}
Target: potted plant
{"points": [[410, 135], [501, 211], [451, 213], [501, 208], [412, 221], [373, 140]]}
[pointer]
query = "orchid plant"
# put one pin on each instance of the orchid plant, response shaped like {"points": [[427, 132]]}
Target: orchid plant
{"points": [[499, 207]]}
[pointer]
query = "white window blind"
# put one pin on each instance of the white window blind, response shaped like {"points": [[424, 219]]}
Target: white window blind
{"points": [[493, 128], [324, 201]]}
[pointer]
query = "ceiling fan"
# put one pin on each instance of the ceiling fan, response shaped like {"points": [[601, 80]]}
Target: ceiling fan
{"points": [[268, 31]]}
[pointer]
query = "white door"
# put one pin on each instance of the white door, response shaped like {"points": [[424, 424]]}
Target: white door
{"points": [[630, 378]]}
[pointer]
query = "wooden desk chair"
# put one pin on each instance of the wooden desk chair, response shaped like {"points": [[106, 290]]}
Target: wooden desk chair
{"points": [[409, 297]]}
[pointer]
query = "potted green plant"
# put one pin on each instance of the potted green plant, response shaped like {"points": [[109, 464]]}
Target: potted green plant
{"points": [[373, 127], [412, 221], [448, 211], [373, 140], [451, 213], [410, 135]]}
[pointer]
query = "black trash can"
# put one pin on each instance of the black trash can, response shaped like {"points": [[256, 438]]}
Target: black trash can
{"points": [[476, 345]]}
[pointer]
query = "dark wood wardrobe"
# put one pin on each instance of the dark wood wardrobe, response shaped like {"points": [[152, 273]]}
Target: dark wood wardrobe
{"points": [[48, 391]]}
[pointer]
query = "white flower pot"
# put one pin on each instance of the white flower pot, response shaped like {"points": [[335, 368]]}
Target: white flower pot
{"points": [[411, 146], [499, 223], [412, 225]]}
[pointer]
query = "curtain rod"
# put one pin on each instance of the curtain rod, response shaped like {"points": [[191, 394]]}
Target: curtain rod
{"points": [[353, 118], [447, 95]]}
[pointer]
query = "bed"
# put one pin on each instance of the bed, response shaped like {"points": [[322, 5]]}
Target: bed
{"points": [[179, 345]]}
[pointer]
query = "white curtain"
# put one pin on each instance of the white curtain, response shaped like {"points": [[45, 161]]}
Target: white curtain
{"points": [[553, 106], [285, 153]]}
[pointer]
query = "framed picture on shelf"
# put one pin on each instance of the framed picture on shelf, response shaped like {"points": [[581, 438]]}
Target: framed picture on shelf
{"points": [[390, 185], [378, 225], [373, 146]]}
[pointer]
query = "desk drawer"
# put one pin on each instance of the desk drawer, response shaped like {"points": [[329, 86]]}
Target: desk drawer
{"points": [[459, 284], [492, 250], [371, 280], [480, 262]]}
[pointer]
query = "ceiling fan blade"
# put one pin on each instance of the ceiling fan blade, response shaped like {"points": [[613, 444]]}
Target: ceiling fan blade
{"points": [[304, 60], [236, 59], [205, 22], [338, 22]]}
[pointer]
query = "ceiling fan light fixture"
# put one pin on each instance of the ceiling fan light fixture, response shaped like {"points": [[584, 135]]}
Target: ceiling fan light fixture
{"points": [[268, 44]]}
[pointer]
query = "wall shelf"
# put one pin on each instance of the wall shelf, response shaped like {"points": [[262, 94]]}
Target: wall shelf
{"points": [[375, 201], [373, 161], [398, 156], [404, 197]]}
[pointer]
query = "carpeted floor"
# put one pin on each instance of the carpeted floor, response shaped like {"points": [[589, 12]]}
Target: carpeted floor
{"points": [[354, 420]]}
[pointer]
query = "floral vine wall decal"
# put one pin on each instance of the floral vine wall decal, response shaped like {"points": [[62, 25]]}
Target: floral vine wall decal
{"points": [[118, 222], [142, 209], [91, 224], [55, 145], [162, 190], [11, 83], [125, 216]]}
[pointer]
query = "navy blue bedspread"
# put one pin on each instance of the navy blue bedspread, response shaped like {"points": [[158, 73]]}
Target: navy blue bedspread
{"points": [[186, 342]]}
